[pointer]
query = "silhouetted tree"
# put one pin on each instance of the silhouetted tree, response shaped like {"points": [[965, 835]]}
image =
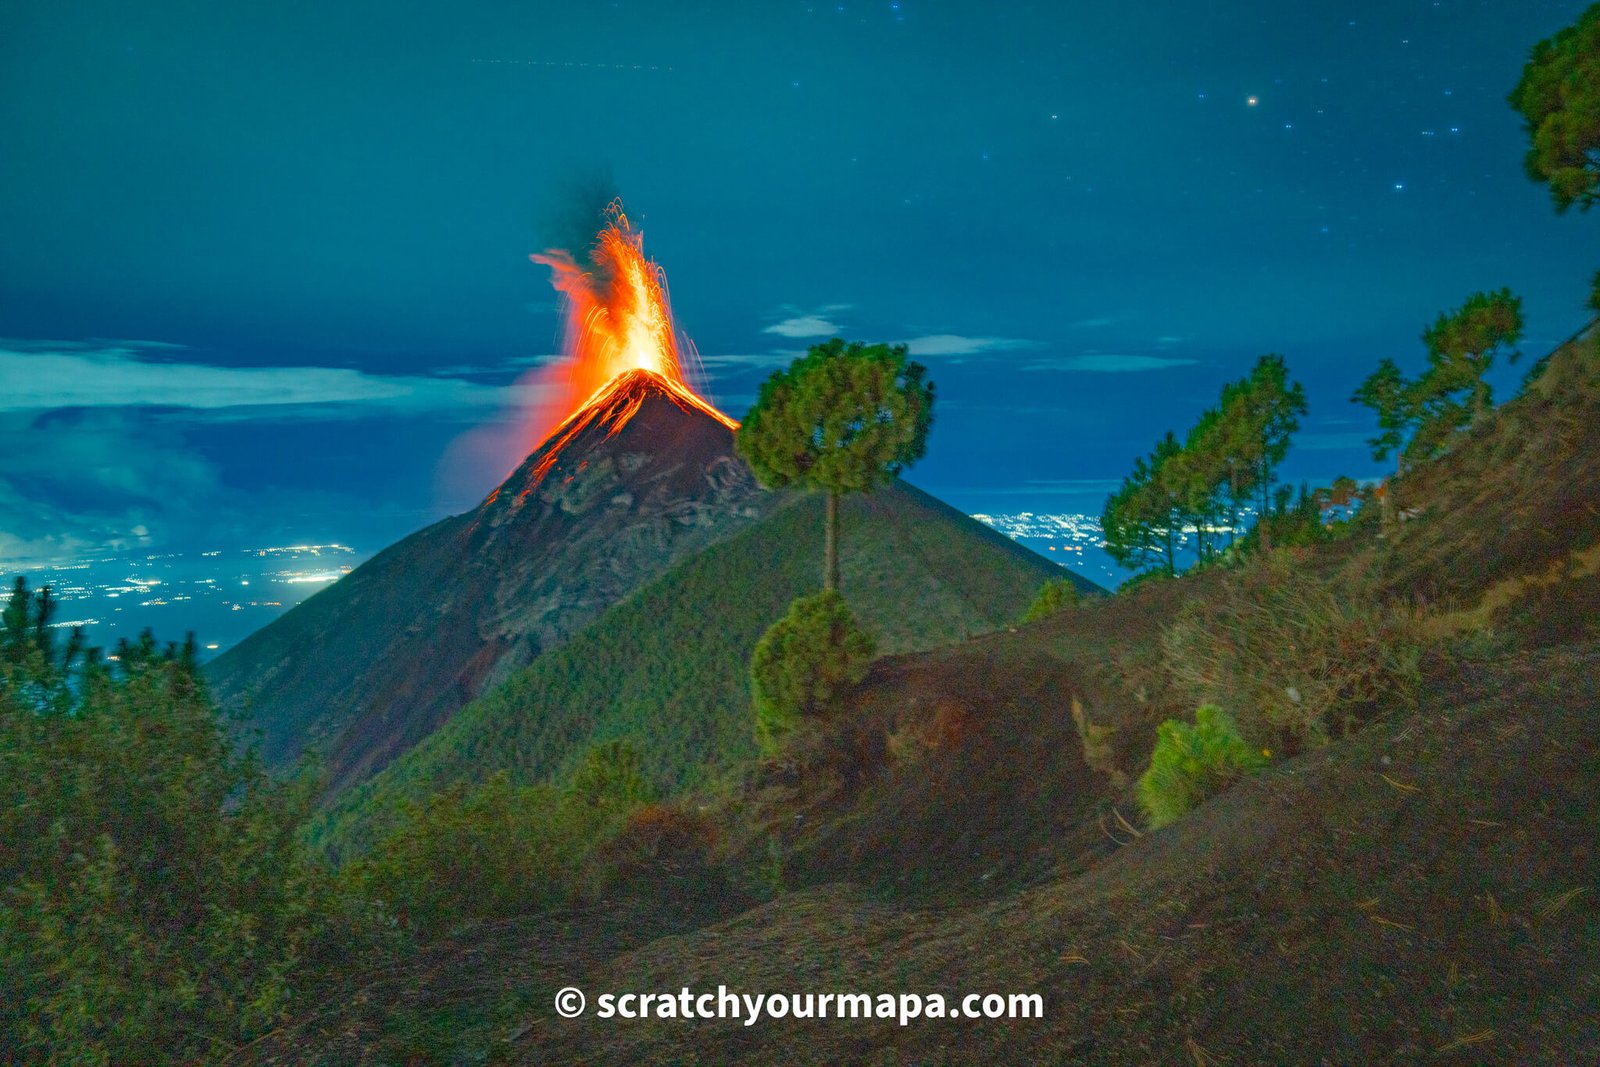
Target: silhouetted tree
{"points": [[1143, 519], [841, 419], [1462, 345], [1389, 395], [1417, 418], [1559, 99], [1269, 410]]}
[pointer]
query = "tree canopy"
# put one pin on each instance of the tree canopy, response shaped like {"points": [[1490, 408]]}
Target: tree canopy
{"points": [[843, 418], [1559, 99], [158, 899], [1228, 460], [1417, 418]]}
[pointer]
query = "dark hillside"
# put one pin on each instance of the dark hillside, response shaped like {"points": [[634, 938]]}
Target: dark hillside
{"points": [[1422, 894], [669, 666], [985, 782], [986, 776], [1515, 499]]}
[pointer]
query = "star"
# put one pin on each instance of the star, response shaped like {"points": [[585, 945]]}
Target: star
{"points": [[1252, 101]]}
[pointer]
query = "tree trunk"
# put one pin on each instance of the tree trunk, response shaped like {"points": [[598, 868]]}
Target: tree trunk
{"points": [[1264, 534], [830, 543]]}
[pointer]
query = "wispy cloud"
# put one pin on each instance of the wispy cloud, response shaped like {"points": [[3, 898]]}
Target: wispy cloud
{"points": [[815, 323], [43, 377], [511, 365], [804, 326], [952, 344], [778, 357], [1107, 363], [87, 480]]}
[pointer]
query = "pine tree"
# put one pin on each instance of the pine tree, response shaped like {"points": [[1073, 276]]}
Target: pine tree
{"points": [[1462, 346], [1559, 99], [844, 418]]}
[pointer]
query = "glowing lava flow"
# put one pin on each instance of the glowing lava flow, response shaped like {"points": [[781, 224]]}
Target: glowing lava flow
{"points": [[618, 322]]}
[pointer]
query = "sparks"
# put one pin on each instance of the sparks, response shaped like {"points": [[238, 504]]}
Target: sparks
{"points": [[618, 322]]}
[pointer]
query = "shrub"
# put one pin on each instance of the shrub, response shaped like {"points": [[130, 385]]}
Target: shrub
{"points": [[491, 851], [1293, 657], [1099, 749], [1055, 595], [803, 662], [155, 898], [612, 777], [1191, 763]]}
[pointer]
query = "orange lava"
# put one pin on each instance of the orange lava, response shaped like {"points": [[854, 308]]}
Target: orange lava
{"points": [[618, 320]]}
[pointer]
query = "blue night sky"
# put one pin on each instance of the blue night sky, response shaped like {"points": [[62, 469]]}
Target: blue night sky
{"points": [[262, 263]]}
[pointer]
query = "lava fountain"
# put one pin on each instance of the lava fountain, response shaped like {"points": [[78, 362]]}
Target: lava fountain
{"points": [[618, 321]]}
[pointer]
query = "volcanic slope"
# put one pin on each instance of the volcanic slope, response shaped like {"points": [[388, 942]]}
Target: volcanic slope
{"points": [[642, 477], [669, 666]]}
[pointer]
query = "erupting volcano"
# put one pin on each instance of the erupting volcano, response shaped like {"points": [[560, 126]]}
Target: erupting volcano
{"points": [[631, 473], [619, 342]]}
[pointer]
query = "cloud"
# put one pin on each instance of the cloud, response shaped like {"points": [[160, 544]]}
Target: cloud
{"points": [[1107, 363], [951, 344], [804, 326], [45, 376], [778, 357], [1092, 323], [799, 323], [95, 480]]}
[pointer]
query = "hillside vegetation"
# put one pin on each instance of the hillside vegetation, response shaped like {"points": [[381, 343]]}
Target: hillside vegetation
{"points": [[668, 668]]}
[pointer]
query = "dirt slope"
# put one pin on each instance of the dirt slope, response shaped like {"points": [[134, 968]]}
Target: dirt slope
{"points": [[1424, 893]]}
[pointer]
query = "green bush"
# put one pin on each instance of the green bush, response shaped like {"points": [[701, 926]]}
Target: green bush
{"points": [[1055, 595], [156, 902], [1293, 656], [1191, 763], [803, 662], [612, 777], [491, 851]]}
